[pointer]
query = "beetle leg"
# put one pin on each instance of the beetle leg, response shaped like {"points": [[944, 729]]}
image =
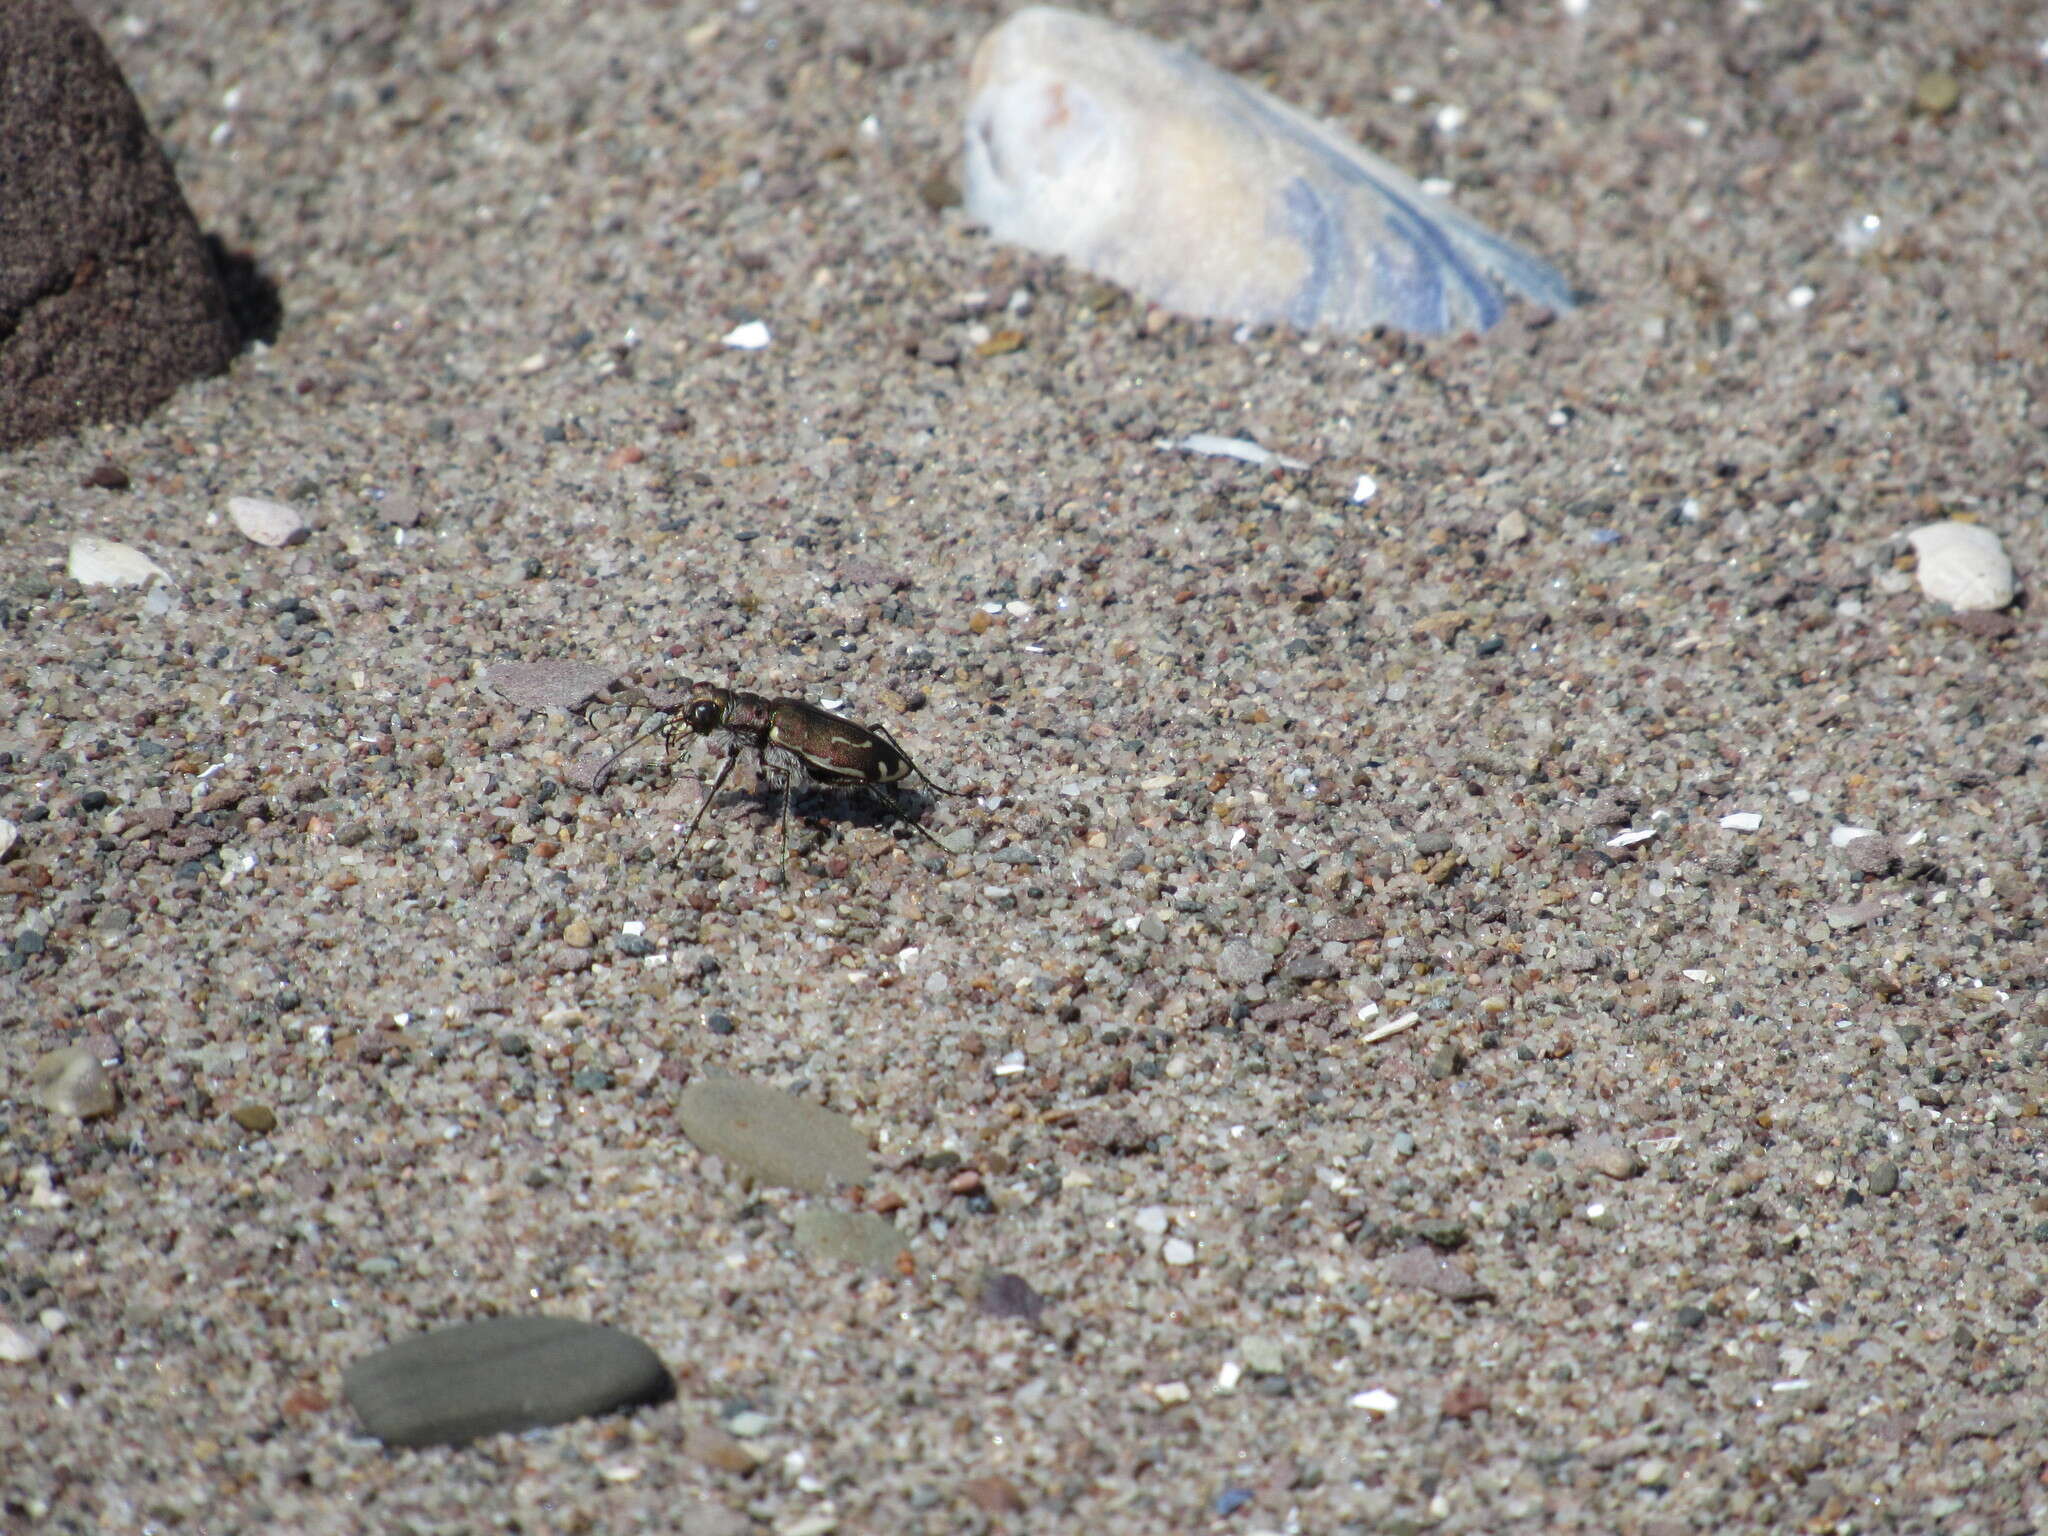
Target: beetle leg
{"points": [[787, 780], [904, 816], [724, 770]]}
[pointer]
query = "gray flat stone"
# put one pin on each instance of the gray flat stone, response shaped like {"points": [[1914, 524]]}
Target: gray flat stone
{"points": [[773, 1137], [550, 684], [857, 1237], [503, 1374]]}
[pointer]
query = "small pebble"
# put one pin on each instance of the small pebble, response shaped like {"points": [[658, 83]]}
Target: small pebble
{"points": [[20, 1346], [1007, 1295], [1240, 964], [749, 337], [1614, 1160], [1177, 1251], [256, 1119], [1872, 856], [993, 1495], [503, 1374], [273, 524], [577, 934], [1263, 1356], [9, 835], [719, 1449], [1936, 93], [1377, 1401], [1884, 1177], [70, 1081], [1425, 1269], [749, 1424], [1963, 565]]}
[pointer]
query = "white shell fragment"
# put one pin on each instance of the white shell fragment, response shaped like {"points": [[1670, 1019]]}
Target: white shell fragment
{"points": [[1741, 821], [1149, 167], [1963, 565], [749, 336], [98, 562], [1209, 445], [272, 524]]}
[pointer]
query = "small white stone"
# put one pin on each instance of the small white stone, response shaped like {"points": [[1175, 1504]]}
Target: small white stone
{"points": [[273, 524], [1842, 837], [1172, 1393], [750, 337], [1741, 821], [1963, 565], [1512, 528], [1178, 1252], [98, 562], [1378, 1402], [1153, 1220], [1365, 489], [1263, 1356], [19, 1346]]}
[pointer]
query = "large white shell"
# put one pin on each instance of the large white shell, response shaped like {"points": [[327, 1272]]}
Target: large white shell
{"points": [[98, 562], [1143, 164], [1963, 565]]}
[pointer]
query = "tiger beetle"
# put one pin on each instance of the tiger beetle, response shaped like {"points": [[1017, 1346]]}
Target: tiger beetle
{"points": [[793, 743]]}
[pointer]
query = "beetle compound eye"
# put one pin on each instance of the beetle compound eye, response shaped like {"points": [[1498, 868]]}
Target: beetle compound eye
{"points": [[702, 715]]}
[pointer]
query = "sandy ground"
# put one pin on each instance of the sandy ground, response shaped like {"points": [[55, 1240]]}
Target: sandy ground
{"points": [[1740, 1140]]}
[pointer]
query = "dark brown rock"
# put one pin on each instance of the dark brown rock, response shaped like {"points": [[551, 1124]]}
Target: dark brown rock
{"points": [[109, 296]]}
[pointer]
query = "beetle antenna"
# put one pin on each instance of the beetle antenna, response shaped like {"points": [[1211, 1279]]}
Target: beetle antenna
{"points": [[597, 780]]}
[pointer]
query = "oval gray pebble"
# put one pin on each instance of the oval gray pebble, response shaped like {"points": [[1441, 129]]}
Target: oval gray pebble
{"points": [[1884, 1177], [856, 1237], [503, 1374], [771, 1136]]}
